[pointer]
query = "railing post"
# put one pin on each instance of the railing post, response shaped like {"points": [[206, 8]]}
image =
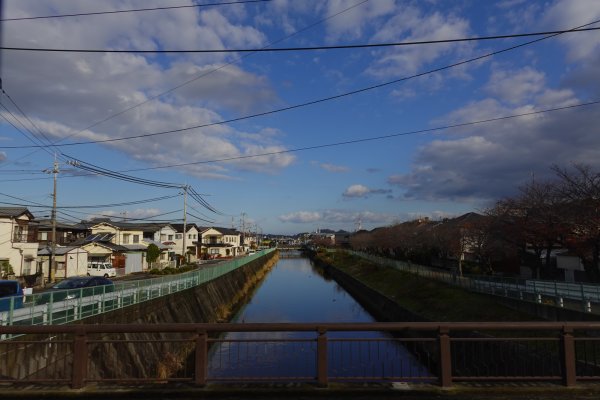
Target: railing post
{"points": [[568, 352], [201, 358], [80, 358], [322, 378], [445, 357]]}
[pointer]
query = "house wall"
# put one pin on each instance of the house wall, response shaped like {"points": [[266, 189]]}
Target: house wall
{"points": [[22, 256]]}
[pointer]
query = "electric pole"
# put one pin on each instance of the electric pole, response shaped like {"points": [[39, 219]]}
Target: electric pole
{"points": [[185, 190], [52, 266]]}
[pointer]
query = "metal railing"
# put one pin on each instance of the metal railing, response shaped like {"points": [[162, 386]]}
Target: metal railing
{"points": [[439, 353], [65, 306], [575, 296]]}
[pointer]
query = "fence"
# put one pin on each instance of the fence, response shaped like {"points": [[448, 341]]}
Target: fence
{"points": [[65, 306], [322, 353], [582, 297]]}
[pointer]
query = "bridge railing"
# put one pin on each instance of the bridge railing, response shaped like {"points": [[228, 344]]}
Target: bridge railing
{"points": [[576, 296], [319, 353], [65, 306]]}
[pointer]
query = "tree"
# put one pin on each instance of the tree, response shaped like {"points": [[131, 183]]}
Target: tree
{"points": [[580, 190], [152, 253]]}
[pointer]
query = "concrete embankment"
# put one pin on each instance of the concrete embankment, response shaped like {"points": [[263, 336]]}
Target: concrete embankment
{"points": [[144, 355]]}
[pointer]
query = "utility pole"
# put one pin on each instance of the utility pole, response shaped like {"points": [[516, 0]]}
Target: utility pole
{"points": [[52, 266], [183, 251]]}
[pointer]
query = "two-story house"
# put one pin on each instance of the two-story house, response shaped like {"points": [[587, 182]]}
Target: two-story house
{"points": [[191, 236], [218, 242], [18, 247]]}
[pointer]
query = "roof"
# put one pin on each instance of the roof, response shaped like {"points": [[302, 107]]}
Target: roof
{"points": [[179, 227], [46, 251], [158, 244], [135, 247], [13, 212]]}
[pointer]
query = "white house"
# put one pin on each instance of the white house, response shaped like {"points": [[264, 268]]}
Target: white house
{"points": [[70, 261], [219, 242], [191, 236], [18, 247]]}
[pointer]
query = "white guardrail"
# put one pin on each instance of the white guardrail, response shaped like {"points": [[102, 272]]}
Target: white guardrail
{"points": [[112, 297], [579, 296]]}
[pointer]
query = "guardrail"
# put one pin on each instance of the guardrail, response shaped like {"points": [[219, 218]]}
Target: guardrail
{"points": [[87, 302], [576, 296], [441, 353]]}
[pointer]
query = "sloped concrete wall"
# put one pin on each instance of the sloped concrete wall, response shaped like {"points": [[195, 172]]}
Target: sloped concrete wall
{"points": [[153, 355]]}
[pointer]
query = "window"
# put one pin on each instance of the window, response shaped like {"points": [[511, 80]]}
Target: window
{"points": [[163, 237], [189, 236], [170, 237], [178, 236], [42, 235], [136, 238], [126, 238]]}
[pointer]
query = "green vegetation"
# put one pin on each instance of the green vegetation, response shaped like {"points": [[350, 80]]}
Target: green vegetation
{"points": [[172, 271], [433, 300]]}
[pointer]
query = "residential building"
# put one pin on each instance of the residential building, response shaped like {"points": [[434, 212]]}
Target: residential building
{"points": [[191, 236], [18, 247], [219, 242], [70, 261]]}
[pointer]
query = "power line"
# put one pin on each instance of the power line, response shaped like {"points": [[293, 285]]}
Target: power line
{"points": [[369, 139], [288, 49], [204, 74], [317, 101], [133, 10]]}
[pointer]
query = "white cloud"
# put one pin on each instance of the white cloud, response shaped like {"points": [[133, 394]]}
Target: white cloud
{"points": [[356, 191], [515, 86], [64, 93], [411, 24], [489, 161], [333, 168], [337, 217]]}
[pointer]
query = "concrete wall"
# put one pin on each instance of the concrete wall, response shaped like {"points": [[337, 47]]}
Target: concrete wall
{"points": [[214, 301]]}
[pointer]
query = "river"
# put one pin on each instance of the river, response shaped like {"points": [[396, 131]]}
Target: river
{"points": [[295, 291]]}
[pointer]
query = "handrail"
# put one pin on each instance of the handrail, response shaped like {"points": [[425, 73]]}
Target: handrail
{"points": [[121, 294], [445, 352], [578, 296]]}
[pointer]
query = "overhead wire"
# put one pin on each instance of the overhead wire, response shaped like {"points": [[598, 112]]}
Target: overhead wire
{"points": [[293, 49], [132, 10], [204, 74], [374, 138], [321, 100]]}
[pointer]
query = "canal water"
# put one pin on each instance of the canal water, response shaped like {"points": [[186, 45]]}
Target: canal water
{"points": [[296, 291]]}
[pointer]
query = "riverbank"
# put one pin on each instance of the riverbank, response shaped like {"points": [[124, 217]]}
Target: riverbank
{"points": [[419, 298]]}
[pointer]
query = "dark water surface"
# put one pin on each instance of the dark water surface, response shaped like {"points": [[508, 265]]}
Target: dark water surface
{"points": [[295, 291]]}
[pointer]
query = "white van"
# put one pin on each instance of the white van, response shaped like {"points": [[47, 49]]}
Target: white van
{"points": [[101, 269]]}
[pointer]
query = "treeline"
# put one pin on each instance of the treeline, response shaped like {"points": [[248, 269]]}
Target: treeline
{"points": [[562, 213]]}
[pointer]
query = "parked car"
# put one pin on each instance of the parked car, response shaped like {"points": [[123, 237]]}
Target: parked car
{"points": [[101, 269], [10, 290], [75, 287]]}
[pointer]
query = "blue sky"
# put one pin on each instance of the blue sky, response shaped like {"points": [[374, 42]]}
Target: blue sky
{"points": [[375, 183]]}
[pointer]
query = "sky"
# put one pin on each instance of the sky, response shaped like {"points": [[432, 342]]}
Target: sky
{"points": [[293, 141]]}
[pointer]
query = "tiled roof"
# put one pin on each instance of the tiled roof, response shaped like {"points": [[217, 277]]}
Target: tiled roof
{"points": [[13, 211]]}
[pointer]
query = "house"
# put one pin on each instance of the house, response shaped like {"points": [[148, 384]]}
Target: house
{"points": [[191, 236], [70, 261], [65, 233], [18, 247], [219, 242]]}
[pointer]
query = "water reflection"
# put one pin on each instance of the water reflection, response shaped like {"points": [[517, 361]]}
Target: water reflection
{"points": [[296, 291]]}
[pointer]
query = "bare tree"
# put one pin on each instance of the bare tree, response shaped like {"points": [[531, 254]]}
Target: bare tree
{"points": [[580, 190]]}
